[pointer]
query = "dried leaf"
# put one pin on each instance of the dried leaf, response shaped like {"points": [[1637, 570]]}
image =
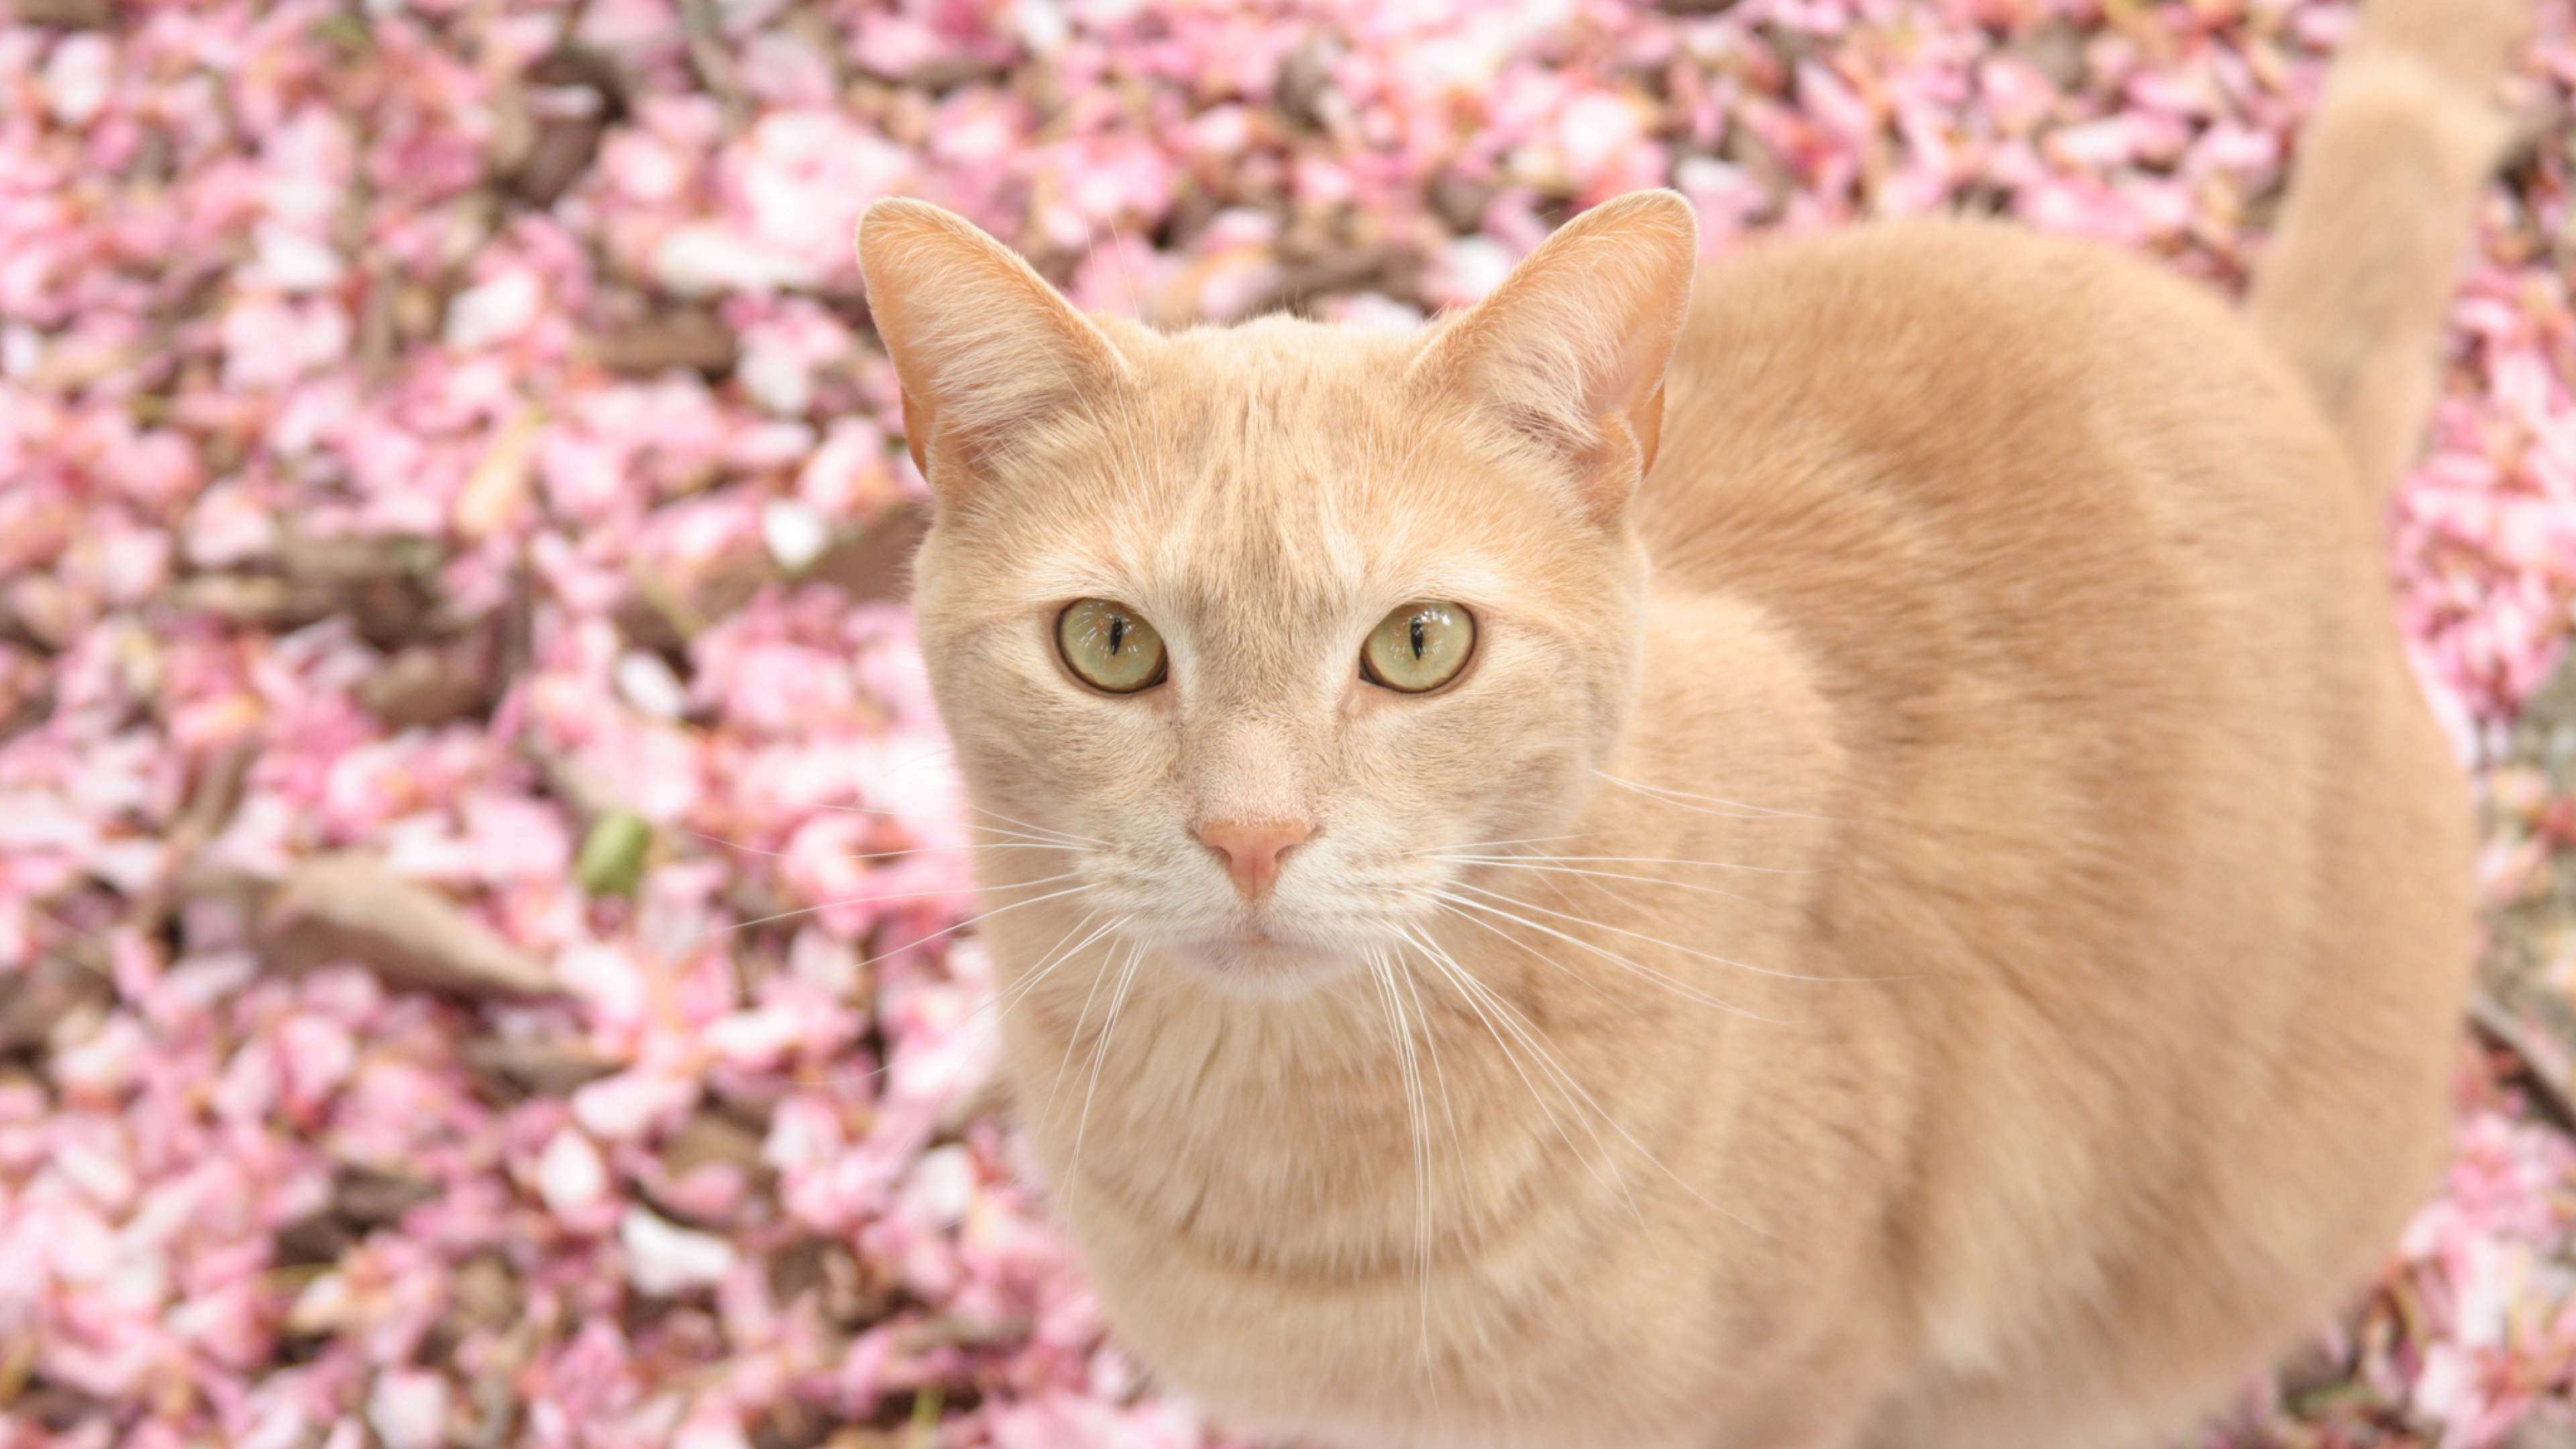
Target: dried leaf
{"points": [[64, 14], [538, 1068], [369, 1197], [424, 685], [685, 337], [36, 1000], [335, 907]]}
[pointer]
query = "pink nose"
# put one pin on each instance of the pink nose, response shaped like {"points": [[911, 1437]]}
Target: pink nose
{"points": [[1252, 849]]}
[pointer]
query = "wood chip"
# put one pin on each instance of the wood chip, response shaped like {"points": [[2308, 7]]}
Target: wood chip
{"points": [[36, 1000], [1461, 202], [381, 583], [369, 1197], [2551, 1426], [64, 14], [217, 793], [561, 151], [340, 906], [350, 560], [851, 1294], [1303, 284], [2543, 1069], [497, 491], [485, 1293], [257, 600], [321, 1238], [686, 337], [60, 1410], [789, 1425], [424, 685], [711, 1137], [1306, 92], [564, 139], [2054, 49], [537, 1068], [580, 790], [875, 563]]}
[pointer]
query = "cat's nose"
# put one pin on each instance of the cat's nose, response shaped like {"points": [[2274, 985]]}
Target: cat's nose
{"points": [[1252, 849]]}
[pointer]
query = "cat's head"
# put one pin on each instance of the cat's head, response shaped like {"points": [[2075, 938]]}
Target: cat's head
{"points": [[1249, 634]]}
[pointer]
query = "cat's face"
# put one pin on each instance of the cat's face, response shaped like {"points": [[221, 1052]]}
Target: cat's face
{"points": [[1250, 636]]}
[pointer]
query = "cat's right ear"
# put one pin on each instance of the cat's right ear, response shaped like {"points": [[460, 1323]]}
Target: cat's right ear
{"points": [[988, 353]]}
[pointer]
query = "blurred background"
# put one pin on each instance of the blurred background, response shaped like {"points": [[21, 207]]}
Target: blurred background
{"points": [[480, 883]]}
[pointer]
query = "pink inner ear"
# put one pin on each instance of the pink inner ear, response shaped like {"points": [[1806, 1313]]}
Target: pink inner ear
{"points": [[1648, 425], [917, 422]]}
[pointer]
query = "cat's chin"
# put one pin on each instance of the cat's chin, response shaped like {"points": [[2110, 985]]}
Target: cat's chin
{"points": [[1261, 968]]}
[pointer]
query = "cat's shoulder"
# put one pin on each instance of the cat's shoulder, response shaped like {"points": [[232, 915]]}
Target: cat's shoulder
{"points": [[1979, 301], [1938, 274]]}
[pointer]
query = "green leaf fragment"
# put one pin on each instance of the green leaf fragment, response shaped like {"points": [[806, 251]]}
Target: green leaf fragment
{"points": [[612, 857]]}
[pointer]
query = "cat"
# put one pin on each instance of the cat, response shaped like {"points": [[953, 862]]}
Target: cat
{"points": [[1830, 852]]}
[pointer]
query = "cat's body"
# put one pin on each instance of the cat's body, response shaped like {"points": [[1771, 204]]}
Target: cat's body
{"points": [[1934, 919]]}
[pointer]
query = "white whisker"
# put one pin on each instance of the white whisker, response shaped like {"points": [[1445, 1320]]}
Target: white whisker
{"points": [[1488, 844], [1478, 996], [1615, 1125], [916, 896], [1672, 946], [1383, 976], [1002, 1002], [1100, 1054], [1678, 988], [1679, 885], [1630, 860], [1738, 810]]}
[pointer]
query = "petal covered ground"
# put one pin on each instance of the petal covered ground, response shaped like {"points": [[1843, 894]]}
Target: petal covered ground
{"points": [[451, 516]]}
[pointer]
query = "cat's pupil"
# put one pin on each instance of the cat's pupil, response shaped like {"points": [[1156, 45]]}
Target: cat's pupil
{"points": [[1118, 633], [1417, 637]]}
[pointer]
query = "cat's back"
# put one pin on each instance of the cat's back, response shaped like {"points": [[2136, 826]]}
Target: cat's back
{"points": [[1961, 378], [1955, 453], [2096, 604]]}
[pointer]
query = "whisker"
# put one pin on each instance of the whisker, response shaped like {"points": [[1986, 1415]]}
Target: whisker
{"points": [[1382, 976], [915, 896], [1614, 1125], [1035, 832], [1483, 844], [1074, 1037], [1457, 1150], [1672, 946], [1099, 1054], [1679, 885], [1041, 831], [1676, 987], [1478, 995], [740, 848], [1000, 1003], [1640, 860], [1670, 796]]}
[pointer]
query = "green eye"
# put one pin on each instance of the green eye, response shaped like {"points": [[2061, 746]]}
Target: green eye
{"points": [[1110, 646], [1421, 646]]}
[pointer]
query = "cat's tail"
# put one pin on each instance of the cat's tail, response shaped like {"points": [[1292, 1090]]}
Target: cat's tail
{"points": [[2360, 270]]}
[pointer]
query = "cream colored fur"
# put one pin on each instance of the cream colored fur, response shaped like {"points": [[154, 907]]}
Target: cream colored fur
{"points": [[1934, 917]]}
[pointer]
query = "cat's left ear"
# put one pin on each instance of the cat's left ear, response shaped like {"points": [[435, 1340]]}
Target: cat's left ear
{"points": [[1566, 358], [989, 354]]}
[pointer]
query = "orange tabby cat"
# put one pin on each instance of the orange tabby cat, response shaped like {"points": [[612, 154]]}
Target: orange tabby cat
{"points": [[1848, 860]]}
